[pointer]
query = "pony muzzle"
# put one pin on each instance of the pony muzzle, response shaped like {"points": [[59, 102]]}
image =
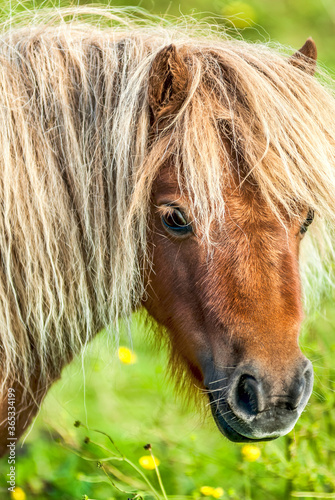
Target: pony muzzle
{"points": [[253, 408]]}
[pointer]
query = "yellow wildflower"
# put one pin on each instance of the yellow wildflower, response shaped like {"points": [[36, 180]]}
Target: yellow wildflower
{"points": [[127, 356], [18, 494], [148, 462], [206, 490], [250, 452]]}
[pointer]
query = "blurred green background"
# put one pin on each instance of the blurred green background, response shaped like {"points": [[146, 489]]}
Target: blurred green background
{"points": [[285, 21], [135, 404]]}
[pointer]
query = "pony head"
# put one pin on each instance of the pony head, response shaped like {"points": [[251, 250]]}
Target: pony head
{"points": [[228, 289]]}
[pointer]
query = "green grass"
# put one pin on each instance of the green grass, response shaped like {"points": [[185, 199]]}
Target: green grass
{"points": [[135, 405]]}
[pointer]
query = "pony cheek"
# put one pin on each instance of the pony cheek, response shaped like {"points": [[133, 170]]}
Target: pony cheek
{"points": [[171, 282], [174, 303]]}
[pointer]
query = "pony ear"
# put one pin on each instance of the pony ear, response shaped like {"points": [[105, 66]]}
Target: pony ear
{"points": [[305, 58], [168, 83]]}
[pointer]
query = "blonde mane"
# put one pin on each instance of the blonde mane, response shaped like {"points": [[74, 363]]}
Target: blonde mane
{"points": [[77, 164]]}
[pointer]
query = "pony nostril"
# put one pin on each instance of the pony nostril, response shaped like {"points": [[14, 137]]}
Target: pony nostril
{"points": [[296, 394], [248, 396], [264, 403], [301, 387]]}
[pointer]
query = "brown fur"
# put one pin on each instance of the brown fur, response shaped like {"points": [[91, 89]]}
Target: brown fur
{"points": [[244, 302]]}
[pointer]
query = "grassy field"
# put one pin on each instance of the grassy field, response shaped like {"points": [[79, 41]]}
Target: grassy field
{"points": [[135, 405]]}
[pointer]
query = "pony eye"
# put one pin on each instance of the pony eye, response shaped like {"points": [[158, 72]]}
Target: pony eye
{"points": [[174, 220], [308, 221]]}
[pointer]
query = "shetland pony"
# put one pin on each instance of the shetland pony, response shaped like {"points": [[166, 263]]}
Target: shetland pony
{"points": [[147, 165]]}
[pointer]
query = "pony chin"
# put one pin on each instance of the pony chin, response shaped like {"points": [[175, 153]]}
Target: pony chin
{"points": [[233, 435]]}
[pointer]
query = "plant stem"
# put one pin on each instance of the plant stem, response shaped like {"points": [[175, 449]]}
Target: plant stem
{"points": [[145, 479], [289, 481], [158, 475]]}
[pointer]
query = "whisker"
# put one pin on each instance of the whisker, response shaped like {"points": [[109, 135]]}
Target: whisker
{"points": [[218, 380], [210, 391], [216, 401], [226, 413]]}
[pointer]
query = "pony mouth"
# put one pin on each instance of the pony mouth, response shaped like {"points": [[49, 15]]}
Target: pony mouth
{"points": [[227, 430]]}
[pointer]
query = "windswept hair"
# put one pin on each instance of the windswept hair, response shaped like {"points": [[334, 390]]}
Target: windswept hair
{"points": [[78, 158]]}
